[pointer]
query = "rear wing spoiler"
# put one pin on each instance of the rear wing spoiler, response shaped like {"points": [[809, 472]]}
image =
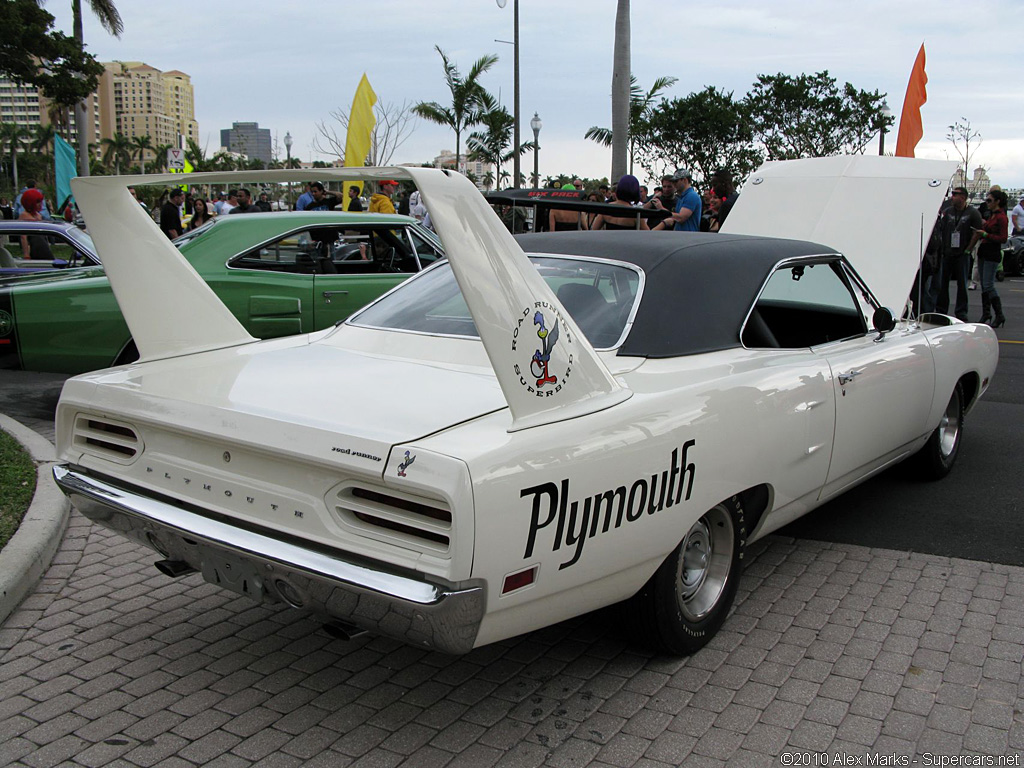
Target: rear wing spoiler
{"points": [[171, 311]]}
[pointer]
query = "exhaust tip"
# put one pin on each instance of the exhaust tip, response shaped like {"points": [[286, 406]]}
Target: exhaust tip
{"points": [[341, 630], [174, 568]]}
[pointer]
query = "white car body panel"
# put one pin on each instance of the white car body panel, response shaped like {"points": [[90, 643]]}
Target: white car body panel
{"points": [[423, 461]]}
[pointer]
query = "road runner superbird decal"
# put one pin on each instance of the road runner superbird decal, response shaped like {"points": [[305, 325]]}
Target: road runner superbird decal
{"points": [[545, 381], [643, 495], [541, 358], [405, 464]]}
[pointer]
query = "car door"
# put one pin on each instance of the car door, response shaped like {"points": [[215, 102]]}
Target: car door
{"points": [[270, 288], [883, 392], [367, 261], [882, 387]]}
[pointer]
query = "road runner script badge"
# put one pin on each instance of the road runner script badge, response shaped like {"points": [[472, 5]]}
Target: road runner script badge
{"points": [[543, 348]]}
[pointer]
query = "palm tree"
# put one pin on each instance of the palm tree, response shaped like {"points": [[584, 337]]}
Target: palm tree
{"points": [[41, 142], [139, 145], [116, 150], [490, 145], [195, 155], [620, 90], [640, 105], [110, 19], [160, 161], [12, 135], [466, 97]]}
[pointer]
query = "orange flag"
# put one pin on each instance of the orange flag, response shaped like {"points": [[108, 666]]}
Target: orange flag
{"points": [[910, 121]]}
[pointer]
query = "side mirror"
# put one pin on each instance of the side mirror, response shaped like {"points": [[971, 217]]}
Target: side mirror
{"points": [[884, 321]]}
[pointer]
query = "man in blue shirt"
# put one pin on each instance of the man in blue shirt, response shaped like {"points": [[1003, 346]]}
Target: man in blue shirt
{"points": [[686, 216], [304, 199]]}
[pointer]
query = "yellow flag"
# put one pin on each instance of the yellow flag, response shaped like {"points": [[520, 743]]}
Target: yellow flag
{"points": [[360, 128]]}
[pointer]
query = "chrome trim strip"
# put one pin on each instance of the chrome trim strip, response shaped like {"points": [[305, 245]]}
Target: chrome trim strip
{"points": [[375, 595]]}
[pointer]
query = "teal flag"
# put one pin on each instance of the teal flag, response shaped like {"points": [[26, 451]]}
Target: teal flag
{"points": [[67, 168]]}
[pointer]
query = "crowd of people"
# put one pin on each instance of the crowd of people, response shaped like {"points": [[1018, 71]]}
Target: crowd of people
{"points": [[966, 246], [681, 207], [315, 197]]}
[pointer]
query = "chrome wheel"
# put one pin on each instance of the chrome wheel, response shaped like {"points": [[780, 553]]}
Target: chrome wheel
{"points": [[704, 569], [949, 426]]}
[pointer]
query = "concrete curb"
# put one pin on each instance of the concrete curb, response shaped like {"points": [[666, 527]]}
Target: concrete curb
{"points": [[29, 552]]}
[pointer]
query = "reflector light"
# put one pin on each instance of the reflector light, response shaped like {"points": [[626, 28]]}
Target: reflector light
{"points": [[519, 580]]}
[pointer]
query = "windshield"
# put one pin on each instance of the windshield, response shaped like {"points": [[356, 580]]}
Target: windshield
{"points": [[599, 295]]}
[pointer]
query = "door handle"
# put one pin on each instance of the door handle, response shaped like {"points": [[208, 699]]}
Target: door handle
{"points": [[328, 294], [846, 378]]}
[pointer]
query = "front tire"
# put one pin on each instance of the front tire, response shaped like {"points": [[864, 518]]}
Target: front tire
{"points": [[937, 457], [686, 601]]}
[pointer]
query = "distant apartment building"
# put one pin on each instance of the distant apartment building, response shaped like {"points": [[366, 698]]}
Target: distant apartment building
{"points": [[248, 139], [26, 106], [977, 185], [131, 98], [479, 170], [149, 102]]}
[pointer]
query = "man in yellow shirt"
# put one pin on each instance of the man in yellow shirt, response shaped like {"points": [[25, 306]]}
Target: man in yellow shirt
{"points": [[381, 201]]}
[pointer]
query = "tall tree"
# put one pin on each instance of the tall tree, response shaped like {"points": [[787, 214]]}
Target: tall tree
{"points": [[466, 93], [116, 151], [140, 145], [31, 52], [195, 155], [965, 141], [11, 136], [493, 144], [392, 127], [705, 131], [621, 68], [110, 19], [810, 116], [640, 105]]}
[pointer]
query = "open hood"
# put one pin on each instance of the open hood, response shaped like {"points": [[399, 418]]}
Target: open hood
{"points": [[877, 211]]}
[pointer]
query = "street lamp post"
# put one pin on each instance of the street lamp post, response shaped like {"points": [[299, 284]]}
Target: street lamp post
{"points": [[886, 114], [288, 162], [515, 106], [536, 124]]}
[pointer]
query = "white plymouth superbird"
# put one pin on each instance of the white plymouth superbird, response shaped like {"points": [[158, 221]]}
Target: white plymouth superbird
{"points": [[534, 428]]}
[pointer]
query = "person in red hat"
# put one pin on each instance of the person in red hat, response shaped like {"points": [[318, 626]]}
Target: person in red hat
{"points": [[381, 202], [33, 246]]}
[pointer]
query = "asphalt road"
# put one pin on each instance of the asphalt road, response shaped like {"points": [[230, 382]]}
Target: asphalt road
{"points": [[976, 513]]}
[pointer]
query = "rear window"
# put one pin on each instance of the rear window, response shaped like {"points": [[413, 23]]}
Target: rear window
{"points": [[600, 296]]}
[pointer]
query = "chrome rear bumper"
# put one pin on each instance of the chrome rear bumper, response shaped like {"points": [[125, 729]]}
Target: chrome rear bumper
{"points": [[270, 567]]}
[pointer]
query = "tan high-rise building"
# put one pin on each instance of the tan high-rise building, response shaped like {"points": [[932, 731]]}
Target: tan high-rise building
{"points": [[132, 98], [148, 102], [26, 106]]}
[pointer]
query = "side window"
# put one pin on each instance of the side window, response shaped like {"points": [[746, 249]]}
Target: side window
{"points": [[296, 252], [803, 306], [427, 251]]}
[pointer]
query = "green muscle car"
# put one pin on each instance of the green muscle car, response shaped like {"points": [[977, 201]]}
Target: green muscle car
{"points": [[279, 273]]}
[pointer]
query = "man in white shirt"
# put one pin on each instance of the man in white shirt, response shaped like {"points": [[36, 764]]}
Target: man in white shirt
{"points": [[1017, 218]]}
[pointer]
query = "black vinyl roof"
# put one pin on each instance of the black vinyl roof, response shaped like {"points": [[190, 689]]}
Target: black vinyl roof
{"points": [[699, 286]]}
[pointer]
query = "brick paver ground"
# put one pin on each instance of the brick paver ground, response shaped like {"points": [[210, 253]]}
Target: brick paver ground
{"points": [[831, 648]]}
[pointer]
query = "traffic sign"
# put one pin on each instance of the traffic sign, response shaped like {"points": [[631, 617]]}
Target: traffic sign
{"points": [[175, 159]]}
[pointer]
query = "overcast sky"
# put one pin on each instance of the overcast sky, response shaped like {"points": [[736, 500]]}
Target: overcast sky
{"points": [[288, 64]]}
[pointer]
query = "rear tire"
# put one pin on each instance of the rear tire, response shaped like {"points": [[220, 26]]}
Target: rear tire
{"points": [[937, 457], [688, 598]]}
